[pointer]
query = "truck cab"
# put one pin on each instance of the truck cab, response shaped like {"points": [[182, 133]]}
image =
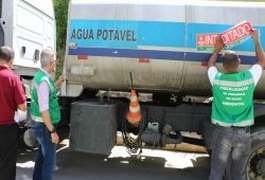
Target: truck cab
{"points": [[27, 26]]}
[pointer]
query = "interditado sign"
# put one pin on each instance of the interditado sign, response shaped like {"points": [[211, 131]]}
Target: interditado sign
{"points": [[231, 37], [237, 34]]}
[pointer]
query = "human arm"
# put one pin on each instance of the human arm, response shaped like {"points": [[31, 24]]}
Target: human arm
{"points": [[48, 123], [22, 107], [212, 71], [43, 101], [258, 48], [20, 97], [59, 81], [256, 71], [218, 47]]}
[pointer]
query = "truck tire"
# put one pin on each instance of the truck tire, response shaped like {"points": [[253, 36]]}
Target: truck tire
{"points": [[256, 162], [29, 138]]}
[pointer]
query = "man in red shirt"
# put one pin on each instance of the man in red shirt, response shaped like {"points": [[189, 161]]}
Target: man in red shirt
{"points": [[11, 98]]}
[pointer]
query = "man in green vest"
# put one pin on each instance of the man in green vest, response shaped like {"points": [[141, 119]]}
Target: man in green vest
{"points": [[45, 112], [232, 110]]}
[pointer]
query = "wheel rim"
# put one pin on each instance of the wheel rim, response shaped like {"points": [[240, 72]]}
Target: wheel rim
{"points": [[256, 165]]}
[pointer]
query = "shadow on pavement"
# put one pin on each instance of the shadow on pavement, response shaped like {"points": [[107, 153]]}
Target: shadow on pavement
{"points": [[152, 164]]}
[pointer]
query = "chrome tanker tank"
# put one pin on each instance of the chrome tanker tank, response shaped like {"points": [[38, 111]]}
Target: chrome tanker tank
{"points": [[151, 44]]}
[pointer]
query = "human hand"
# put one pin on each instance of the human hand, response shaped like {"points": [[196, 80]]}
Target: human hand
{"points": [[255, 34], [59, 81], [55, 138], [219, 44]]}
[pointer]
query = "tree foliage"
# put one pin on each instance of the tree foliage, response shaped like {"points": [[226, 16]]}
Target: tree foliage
{"points": [[61, 14], [61, 11]]}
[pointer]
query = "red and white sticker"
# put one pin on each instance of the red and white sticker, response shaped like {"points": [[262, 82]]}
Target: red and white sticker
{"points": [[206, 41], [237, 34]]}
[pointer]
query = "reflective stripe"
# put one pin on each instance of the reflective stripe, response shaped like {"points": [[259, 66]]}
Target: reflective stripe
{"points": [[35, 85], [233, 84], [245, 123], [37, 119], [47, 80], [134, 109], [133, 98]]}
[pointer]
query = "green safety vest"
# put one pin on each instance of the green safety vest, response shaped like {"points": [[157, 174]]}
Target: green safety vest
{"points": [[54, 108], [233, 99]]}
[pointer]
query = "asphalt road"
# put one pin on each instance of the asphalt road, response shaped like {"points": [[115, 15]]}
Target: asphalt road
{"points": [[152, 164]]}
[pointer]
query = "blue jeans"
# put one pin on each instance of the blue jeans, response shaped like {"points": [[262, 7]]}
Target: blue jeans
{"points": [[46, 154], [231, 147]]}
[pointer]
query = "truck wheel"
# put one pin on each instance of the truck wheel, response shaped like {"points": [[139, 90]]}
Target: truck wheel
{"points": [[256, 162], [29, 138]]}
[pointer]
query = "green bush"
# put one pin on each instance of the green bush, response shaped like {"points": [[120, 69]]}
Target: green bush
{"points": [[61, 13]]}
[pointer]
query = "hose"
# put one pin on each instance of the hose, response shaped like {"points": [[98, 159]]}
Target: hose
{"points": [[132, 145]]}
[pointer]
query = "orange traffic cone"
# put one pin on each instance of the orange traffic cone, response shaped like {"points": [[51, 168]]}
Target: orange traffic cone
{"points": [[134, 114]]}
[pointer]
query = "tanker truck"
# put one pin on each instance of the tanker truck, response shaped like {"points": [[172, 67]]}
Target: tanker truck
{"points": [[135, 67]]}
